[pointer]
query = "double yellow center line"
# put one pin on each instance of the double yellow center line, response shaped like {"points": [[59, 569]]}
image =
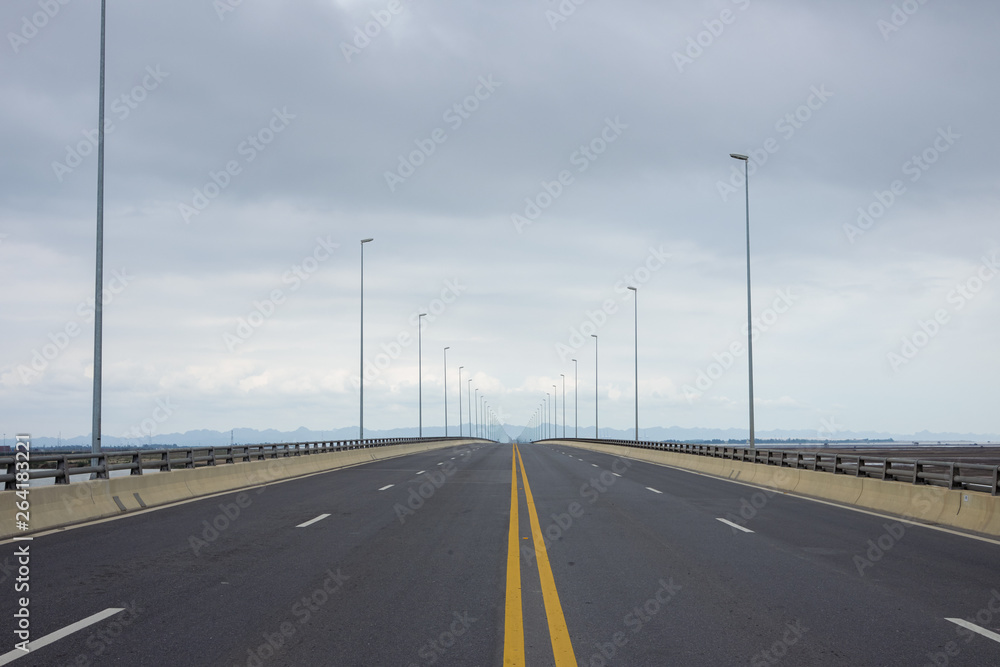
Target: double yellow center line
{"points": [[513, 645]]}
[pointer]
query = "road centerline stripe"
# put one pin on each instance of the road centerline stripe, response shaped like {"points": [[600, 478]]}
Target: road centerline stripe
{"points": [[11, 656], [649, 488], [513, 627], [562, 647], [312, 521], [734, 525], [989, 634], [387, 486]]}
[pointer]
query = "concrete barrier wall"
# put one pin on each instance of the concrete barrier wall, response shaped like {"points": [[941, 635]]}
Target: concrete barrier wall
{"points": [[67, 504], [966, 510]]}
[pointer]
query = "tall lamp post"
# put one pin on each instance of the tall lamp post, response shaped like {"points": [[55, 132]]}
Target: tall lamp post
{"points": [[95, 436], [361, 418], [477, 413], [555, 412], [420, 377], [460, 401], [563, 376], [597, 432], [469, 395], [746, 181], [635, 291], [576, 399], [446, 393]]}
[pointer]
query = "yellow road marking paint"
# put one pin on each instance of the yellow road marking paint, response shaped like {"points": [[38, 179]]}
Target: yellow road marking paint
{"points": [[513, 636], [562, 647]]}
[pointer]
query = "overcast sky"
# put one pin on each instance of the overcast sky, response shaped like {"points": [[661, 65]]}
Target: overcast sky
{"points": [[518, 165]]}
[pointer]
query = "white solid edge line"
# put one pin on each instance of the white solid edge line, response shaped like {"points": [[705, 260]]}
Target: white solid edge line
{"points": [[734, 525], [654, 490], [11, 656], [387, 486], [312, 521], [989, 634]]}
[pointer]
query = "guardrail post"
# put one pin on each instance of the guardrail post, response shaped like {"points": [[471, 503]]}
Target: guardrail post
{"points": [[951, 476], [996, 474], [857, 471], [165, 461], [916, 472], [63, 476], [136, 463], [11, 484]]}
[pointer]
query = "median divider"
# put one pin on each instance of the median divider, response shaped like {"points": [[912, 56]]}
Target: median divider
{"points": [[925, 503], [68, 504]]}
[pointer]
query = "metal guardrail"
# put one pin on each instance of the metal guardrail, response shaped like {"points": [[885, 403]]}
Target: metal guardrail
{"points": [[975, 477], [60, 466]]}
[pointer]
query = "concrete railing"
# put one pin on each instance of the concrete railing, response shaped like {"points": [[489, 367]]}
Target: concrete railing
{"points": [[932, 492], [188, 474], [951, 475], [61, 466]]}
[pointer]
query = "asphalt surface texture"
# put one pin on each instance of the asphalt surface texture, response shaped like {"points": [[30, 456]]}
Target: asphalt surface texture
{"points": [[628, 563]]}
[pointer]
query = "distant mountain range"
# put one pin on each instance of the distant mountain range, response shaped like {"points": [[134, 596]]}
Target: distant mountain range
{"points": [[207, 438]]}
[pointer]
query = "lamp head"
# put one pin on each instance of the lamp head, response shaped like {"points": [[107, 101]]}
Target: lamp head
{"points": [[737, 156]]}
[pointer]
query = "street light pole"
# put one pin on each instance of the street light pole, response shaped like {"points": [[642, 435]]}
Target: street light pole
{"points": [[446, 393], [477, 413], [470, 407], [576, 399], [597, 432], [746, 181], [555, 412], [95, 437], [563, 376], [420, 377], [361, 418], [460, 400], [635, 291]]}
